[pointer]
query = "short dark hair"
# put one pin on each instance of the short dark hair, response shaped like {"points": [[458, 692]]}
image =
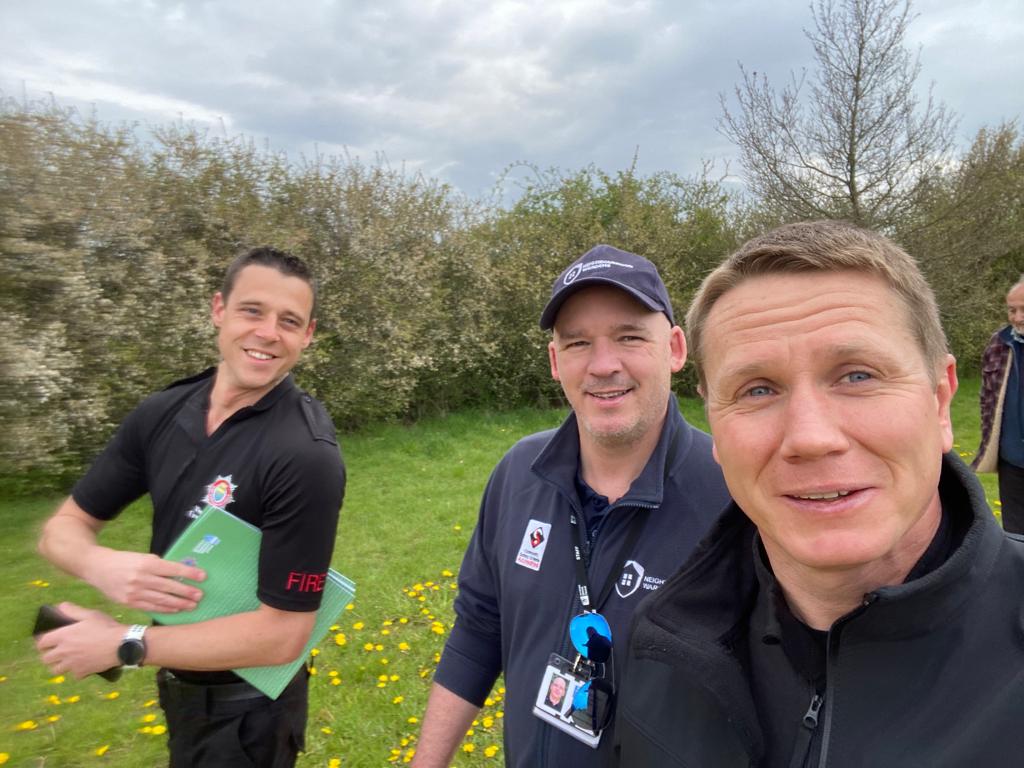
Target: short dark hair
{"points": [[266, 256]]}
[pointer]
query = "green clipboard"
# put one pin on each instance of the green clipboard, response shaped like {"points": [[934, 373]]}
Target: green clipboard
{"points": [[228, 548]]}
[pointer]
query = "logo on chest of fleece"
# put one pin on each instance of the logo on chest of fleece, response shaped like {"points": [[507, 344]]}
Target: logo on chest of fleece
{"points": [[535, 541], [633, 578]]}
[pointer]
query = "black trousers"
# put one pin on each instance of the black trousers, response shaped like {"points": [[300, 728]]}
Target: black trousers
{"points": [[233, 725], [1011, 495]]}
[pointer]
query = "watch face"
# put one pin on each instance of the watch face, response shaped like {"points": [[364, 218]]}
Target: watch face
{"points": [[131, 652]]}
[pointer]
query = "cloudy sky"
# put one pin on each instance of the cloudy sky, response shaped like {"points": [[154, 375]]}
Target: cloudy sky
{"points": [[460, 89]]}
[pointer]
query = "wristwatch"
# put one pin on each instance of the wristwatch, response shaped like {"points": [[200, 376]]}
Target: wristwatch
{"points": [[132, 649]]}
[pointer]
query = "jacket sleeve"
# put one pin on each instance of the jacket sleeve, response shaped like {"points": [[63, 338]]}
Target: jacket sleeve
{"points": [[471, 661]]}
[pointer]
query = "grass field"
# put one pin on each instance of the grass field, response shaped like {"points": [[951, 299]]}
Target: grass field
{"points": [[409, 511]]}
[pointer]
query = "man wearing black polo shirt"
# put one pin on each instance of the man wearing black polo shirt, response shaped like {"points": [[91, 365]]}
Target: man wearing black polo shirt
{"points": [[244, 438]]}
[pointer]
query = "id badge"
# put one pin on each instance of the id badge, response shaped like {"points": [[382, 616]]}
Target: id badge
{"points": [[554, 704]]}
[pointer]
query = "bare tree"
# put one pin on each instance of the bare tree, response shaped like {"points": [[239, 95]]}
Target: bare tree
{"points": [[853, 140]]}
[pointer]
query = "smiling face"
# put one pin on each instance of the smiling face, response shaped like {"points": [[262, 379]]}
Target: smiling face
{"points": [[825, 421], [263, 326], [615, 359], [556, 691], [1015, 307]]}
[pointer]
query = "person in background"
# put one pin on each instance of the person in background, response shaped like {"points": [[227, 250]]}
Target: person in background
{"points": [[1002, 411]]}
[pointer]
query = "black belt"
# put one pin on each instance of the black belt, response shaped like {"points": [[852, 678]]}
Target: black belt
{"points": [[214, 692]]}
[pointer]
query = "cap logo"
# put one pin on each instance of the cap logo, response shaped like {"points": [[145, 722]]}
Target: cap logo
{"points": [[578, 269]]}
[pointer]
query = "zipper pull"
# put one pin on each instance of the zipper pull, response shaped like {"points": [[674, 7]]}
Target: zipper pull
{"points": [[811, 716]]}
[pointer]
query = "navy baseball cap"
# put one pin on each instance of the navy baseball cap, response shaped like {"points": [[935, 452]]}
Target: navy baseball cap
{"points": [[605, 265]]}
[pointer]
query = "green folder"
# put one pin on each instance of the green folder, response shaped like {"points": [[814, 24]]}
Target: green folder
{"points": [[228, 548]]}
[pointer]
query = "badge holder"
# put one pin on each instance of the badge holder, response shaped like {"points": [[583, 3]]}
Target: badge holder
{"points": [[563, 684]]}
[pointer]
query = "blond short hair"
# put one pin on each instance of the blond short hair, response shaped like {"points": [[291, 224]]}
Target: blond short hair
{"points": [[823, 246]]}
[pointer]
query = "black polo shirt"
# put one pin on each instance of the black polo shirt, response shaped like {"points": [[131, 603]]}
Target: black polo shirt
{"points": [[275, 464]]}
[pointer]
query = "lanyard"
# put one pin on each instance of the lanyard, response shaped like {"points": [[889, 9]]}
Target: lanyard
{"points": [[582, 580]]}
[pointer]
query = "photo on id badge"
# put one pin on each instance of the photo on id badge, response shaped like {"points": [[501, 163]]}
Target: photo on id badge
{"points": [[554, 703]]}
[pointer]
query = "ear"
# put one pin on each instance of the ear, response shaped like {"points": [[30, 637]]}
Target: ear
{"points": [[677, 348], [308, 337], [944, 391], [714, 452], [553, 360], [217, 308]]}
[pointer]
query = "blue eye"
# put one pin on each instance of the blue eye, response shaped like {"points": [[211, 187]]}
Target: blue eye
{"points": [[858, 376], [759, 391]]}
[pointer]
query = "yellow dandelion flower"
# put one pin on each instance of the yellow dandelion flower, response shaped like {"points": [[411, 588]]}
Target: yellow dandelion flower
{"points": [[367, 646], [146, 729], [403, 646], [424, 672], [53, 718], [325, 730], [314, 652], [403, 620], [499, 714], [4, 757], [336, 681], [3, 678], [469, 732], [57, 680], [53, 699], [422, 599], [378, 647], [340, 639], [413, 720], [333, 673], [502, 690], [159, 730], [382, 685], [101, 751], [393, 678], [456, 527], [398, 699], [112, 695], [334, 628], [437, 656], [383, 661], [312, 671], [417, 587], [447, 574], [491, 751], [334, 762], [387, 623], [27, 725], [385, 632], [468, 747], [488, 702], [350, 606], [358, 625], [383, 678], [75, 699], [147, 718], [150, 703], [488, 721]]}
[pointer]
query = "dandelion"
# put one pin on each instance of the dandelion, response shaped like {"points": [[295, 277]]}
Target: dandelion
{"points": [[27, 725], [53, 718], [467, 748], [326, 731], [4, 757], [350, 606], [147, 718], [101, 751], [383, 661], [378, 647], [333, 673], [382, 685], [57, 680], [314, 652], [367, 646], [146, 729], [73, 699], [358, 625], [385, 632], [488, 721], [456, 527], [112, 695], [413, 720], [159, 730], [336, 681], [403, 646], [491, 751], [334, 628], [447, 574], [393, 678], [387, 623], [150, 703], [469, 732], [403, 620], [53, 699], [398, 699], [312, 671], [340, 639], [383, 678], [488, 702], [334, 762]]}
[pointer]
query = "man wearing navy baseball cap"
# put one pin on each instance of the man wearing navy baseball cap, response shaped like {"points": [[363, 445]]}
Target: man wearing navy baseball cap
{"points": [[577, 525]]}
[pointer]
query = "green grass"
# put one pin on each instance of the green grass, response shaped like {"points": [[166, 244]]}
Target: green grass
{"points": [[409, 510]]}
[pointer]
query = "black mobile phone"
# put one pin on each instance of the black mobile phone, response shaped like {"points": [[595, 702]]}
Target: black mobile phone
{"points": [[49, 618]]}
